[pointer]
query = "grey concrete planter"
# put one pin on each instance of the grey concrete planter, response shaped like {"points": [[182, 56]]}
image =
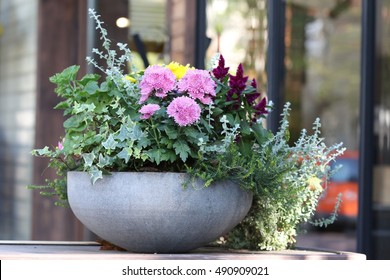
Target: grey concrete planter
{"points": [[151, 212]]}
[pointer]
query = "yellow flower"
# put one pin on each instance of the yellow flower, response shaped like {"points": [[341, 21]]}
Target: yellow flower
{"points": [[177, 69], [130, 78], [314, 183]]}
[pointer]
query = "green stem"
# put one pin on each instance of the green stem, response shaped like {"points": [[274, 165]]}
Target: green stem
{"points": [[156, 133]]}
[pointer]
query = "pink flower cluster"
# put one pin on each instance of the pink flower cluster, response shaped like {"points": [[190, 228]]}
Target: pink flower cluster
{"points": [[158, 80], [184, 110], [148, 110], [194, 85], [199, 85]]}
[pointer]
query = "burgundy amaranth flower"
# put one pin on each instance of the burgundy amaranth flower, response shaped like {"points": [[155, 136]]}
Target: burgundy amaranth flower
{"points": [[237, 84], [251, 97], [148, 110], [260, 109], [254, 83], [184, 110], [198, 84], [220, 71], [158, 80]]}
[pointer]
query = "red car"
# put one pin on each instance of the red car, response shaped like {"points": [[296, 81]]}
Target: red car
{"points": [[344, 181]]}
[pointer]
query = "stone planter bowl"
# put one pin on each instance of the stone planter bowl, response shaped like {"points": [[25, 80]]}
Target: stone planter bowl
{"points": [[150, 212]]}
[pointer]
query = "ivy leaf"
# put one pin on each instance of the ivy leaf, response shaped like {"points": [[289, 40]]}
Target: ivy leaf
{"points": [[80, 108], [95, 174], [110, 143], [104, 161], [88, 158], [125, 154], [136, 132], [120, 112], [123, 133], [182, 149], [137, 153], [143, 142], [42, 152]]}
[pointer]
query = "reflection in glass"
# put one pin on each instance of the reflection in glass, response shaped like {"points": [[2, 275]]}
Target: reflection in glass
{"points": [[381, 184], [238, 30], [348, 171], [148, 33], [323, 67]]}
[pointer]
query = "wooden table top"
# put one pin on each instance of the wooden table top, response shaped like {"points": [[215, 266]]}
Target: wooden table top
{"points": [[63, 250]]}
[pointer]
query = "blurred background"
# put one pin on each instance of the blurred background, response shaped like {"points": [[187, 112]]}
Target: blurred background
{"points": [[322, 55]]}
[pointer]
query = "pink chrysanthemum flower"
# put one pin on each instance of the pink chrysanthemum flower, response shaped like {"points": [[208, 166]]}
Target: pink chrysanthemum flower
{"points": [[199, 85], [184, 110], [148, 110], [158, 80]]}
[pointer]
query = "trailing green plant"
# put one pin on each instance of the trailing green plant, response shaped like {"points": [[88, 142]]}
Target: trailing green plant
{"points": [[207, 123], [287, 182]]}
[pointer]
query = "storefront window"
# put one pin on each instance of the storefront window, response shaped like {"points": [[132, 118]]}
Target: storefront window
{"points": [[323, 67], [148, 33], [140, 24], [381, 182], [382, 82], [238, 30], [322, 79]]}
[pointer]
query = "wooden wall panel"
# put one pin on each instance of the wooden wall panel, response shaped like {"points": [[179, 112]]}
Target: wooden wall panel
{"points": [[61, 43], [182, 29]]}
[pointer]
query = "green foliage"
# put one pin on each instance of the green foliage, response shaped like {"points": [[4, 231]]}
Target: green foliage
{"points": [[285, 181], [324, 222], [105, 132]]}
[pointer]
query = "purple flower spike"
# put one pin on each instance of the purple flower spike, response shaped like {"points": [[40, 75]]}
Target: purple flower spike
{"points": [[237, 84], [221, 71], [261, 107], [251, 97], [254, 83]]}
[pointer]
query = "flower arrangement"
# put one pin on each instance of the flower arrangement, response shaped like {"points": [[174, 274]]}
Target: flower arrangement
{"points": [[207, 123]]}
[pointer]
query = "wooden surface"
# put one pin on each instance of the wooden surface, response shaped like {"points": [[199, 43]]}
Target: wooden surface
{"points": [[22, 250]]}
